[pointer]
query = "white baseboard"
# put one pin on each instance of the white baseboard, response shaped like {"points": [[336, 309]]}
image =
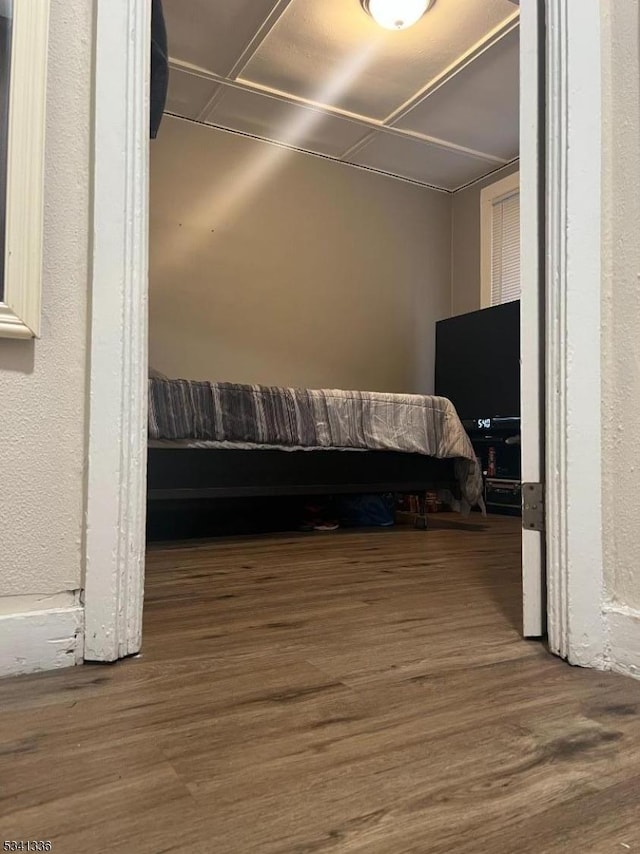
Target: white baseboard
{"points": [[623, 630], [41, 640]]}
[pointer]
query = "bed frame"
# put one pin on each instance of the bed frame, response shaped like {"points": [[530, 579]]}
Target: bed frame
{"points": [[190, 473], [199, 492]]}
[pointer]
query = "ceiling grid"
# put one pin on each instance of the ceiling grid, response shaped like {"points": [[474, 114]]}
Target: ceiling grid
{"points": [[436, 104]]}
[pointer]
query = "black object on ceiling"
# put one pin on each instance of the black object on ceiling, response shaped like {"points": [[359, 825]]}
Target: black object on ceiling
{"points": [[159, 67]]}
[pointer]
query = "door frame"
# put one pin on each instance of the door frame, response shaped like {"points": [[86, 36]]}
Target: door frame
{"points": [[117, 398], [575, 589], [115, 511], [532, 300]]}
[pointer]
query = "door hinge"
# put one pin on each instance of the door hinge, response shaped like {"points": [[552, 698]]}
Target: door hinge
{"points": [[533, 506]]}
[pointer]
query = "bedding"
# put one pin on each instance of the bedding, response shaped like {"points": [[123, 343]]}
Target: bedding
{"points": [[194, 411], [210, 445]]}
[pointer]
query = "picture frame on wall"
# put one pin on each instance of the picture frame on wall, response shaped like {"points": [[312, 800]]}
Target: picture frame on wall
{"points": [[24, 30]]}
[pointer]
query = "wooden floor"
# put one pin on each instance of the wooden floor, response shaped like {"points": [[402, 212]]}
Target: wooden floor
{"points": [[347, 692]]}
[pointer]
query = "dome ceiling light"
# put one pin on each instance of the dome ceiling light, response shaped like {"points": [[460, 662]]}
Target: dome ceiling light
{"points": [[396, 14]]}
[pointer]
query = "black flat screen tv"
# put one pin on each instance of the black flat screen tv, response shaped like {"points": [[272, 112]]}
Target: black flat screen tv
{"points": [[478, 362]]}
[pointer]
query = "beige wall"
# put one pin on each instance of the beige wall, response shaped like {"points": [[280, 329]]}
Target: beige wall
{"points": [[621, 302], [465, 243], [42, 383], [274, 267]]}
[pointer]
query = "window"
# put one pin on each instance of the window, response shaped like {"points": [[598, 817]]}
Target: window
{"points": [[23, 65], [500, 241], [5, 70]]}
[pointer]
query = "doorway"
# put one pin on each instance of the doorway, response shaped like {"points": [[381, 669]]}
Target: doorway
{"points": [[115, 539]]}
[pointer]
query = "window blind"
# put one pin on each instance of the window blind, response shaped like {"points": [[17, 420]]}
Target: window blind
{"points": [[505, 249]]}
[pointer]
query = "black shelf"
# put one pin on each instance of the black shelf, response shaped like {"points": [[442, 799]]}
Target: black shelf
{"points": [[499, 441]]}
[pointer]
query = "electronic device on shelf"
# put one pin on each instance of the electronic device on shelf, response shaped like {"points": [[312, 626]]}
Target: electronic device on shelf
{"points": [[503, 495], [498, 451], [489, 425]]}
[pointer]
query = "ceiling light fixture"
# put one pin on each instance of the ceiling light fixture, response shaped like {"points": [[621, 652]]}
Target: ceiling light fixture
{"points": [[396, 14]]}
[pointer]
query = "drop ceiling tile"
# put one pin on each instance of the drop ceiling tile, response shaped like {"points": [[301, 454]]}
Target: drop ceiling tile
{"points": [[188, 95], [479, 107], [420, 161], [277, 120], [213, 33], [332, 52]]}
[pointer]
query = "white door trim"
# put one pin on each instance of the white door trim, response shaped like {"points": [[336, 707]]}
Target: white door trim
{"points": [[573, 419], [532, 130], [117, 441]]}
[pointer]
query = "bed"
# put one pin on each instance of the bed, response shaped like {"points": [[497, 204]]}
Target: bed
{"points": [[229, 441]]}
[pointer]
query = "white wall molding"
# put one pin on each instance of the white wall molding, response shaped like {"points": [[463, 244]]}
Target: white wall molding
{"points": [[35, 640], [116, 480], [573, 444], [21, 604], [495, 174], [623, 639]]}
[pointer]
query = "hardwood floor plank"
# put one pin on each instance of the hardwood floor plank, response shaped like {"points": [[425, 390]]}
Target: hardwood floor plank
{"points": [[348, 692]]}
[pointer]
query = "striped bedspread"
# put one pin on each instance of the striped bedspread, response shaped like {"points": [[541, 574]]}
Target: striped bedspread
{"points": [[285, 417]]}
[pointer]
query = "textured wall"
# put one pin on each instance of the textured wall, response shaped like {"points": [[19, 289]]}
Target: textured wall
{"points": [[42, 383], [621, 302], [274, 267], [465, 244]]}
